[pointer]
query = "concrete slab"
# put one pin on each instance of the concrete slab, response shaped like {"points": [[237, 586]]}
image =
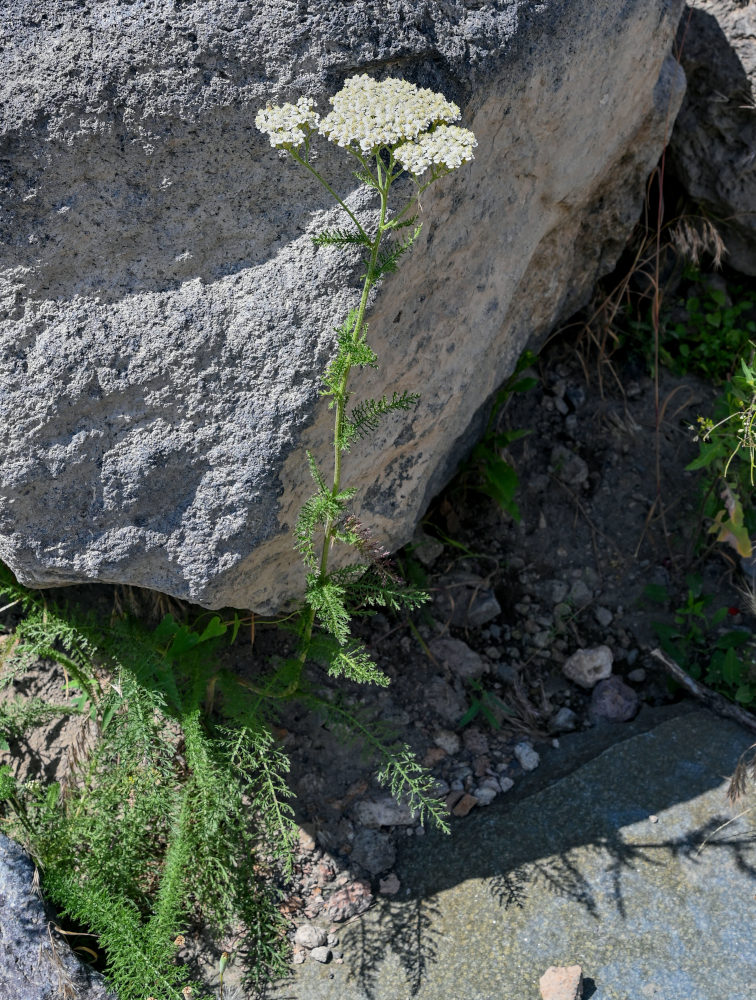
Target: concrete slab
{"points": [[625, 867]]}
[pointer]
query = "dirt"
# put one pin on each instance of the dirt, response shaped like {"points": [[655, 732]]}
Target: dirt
{"points": [[607, 508]]}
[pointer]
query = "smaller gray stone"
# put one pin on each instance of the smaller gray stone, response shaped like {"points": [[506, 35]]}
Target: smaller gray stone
{"points": [[580, 593], [588, 666], [567, 466], [485, 795], [310, 936], [603, 616], [458, 658], [637, 676], [505, 783], [382, 811], [465, 600], [440, 789], [322, 954], [507, 673], [374, 851], [564, 721], [426, 549], [613, 700], [447, 740], [526, 756], [444, 700], [559, 590]]}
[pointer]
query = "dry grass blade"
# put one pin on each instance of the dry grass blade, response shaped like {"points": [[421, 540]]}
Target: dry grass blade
{"points": [[745, 769]]}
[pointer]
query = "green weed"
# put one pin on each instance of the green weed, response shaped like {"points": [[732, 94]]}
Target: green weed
{"points": [[727, 453], [714, 333], [697, 642], [494, 475], [486, 704]]}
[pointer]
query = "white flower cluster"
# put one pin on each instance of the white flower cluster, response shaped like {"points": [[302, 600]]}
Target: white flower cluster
{"points": [[446, 146], [368, 113], [286, 124]]}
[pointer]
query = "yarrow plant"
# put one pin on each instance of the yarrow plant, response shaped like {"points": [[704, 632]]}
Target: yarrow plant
{"points": [[389, 128], [177, 812]]}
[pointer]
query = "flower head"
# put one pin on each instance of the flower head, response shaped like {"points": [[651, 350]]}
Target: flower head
{"points": [[369, 113], [445, 146], [288, 124]]}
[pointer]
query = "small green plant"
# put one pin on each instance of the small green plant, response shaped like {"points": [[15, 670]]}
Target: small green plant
{"points": [[727, 452], [486, 704], [496, 476], [697, 642], [180, 808], [715, 332]]}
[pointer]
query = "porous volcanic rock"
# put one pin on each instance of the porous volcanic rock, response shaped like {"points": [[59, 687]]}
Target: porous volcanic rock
{"points": [[713, 143], [35, 962], [164, 314]]}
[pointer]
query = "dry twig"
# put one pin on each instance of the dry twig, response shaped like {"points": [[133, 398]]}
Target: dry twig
{"points": [[705, 695]]}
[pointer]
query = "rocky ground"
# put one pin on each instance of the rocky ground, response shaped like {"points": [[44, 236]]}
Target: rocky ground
{"points": [[536, 629]]}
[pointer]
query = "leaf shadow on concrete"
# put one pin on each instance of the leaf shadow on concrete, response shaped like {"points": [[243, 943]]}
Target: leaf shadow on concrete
{"points": [[587, 841]]}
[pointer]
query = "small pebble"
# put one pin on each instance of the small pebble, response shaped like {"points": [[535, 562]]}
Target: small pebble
{"points": [[653, 819], [447, 740], [564, 721], [505, 784], [465, 804], [485, 795], [637, 676], [526, 756], [310, 936], [603, 616], [390, 885], [321, 954], [587, 667], [562, 983]]}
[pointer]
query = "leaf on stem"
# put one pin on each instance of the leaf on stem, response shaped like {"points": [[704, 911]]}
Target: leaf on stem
{"points": [[340, 238], [366, 416]]}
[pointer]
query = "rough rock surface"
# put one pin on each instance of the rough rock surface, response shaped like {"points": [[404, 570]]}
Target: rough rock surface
{"points": [[33, 964], [713, 144], [164, 315]]}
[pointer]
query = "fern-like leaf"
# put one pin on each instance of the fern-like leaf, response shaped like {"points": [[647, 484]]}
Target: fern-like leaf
{"points": [[399, 771], [317, 475], [340, 238], [350, 353], [357, 665], [366, 416], [326, 598], [365, 178], [388, 260]]}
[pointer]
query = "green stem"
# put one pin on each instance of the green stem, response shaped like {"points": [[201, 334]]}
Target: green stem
{"points": [[342, 395], [328, 188]]}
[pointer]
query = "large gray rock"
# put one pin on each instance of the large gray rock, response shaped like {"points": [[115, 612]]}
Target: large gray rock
{"points": [[164, 315], [713, 143], [35, 962]]}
